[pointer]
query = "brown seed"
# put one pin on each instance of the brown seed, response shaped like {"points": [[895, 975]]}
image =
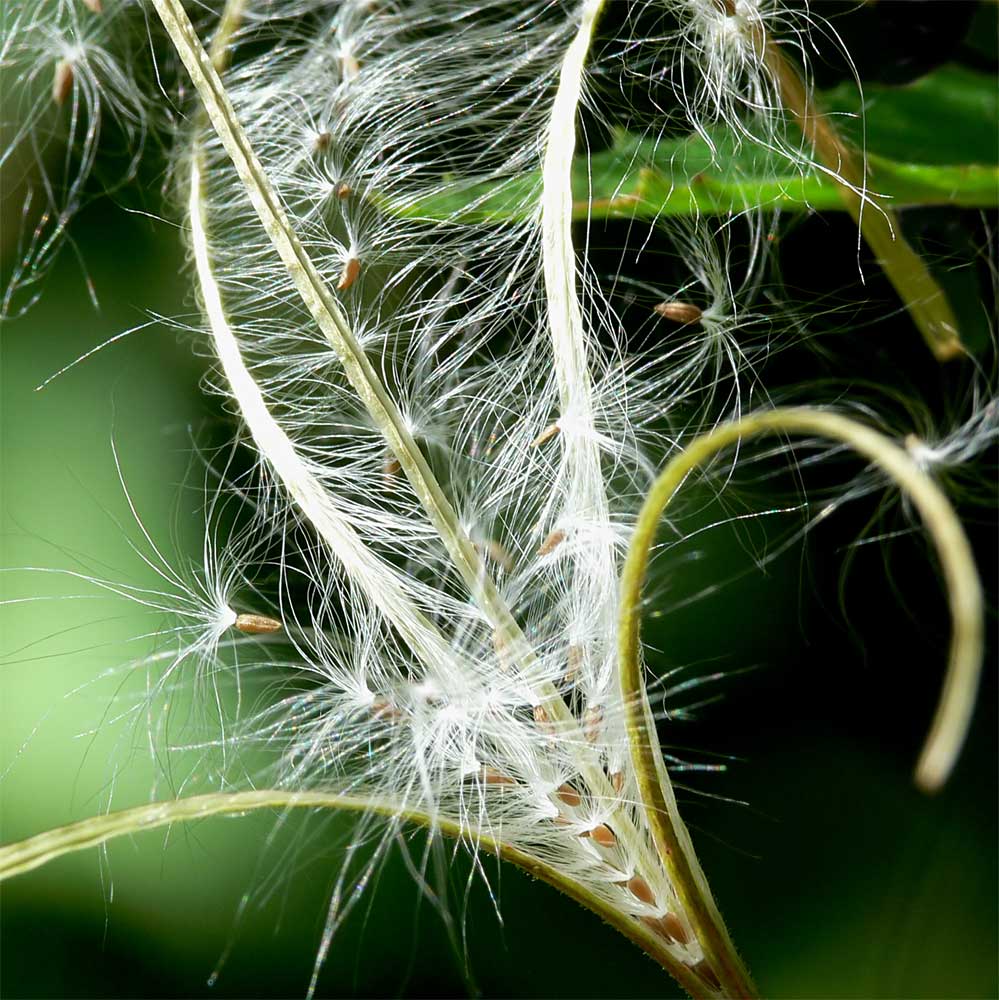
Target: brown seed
{"points": [[344, 190], [707, 974], [603, 835], [552, 542], [541, 716], [382, 708], [546, 435], [350, 66], [391, 467], [573, 662], [94, 5], [641, 890], [322, 141], [257, 624], [351, 269], [593, 719], [679, 312], [617, 781], [667, 926], [497, 553], [490, 776], [62, 82], [569, 795]]}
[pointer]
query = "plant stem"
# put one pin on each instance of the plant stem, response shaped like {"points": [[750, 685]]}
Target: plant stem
{"points": [[905, 269], [33, 852]]}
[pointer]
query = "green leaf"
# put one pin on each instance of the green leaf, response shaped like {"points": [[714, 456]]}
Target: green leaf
{"points": [[931, 142]]}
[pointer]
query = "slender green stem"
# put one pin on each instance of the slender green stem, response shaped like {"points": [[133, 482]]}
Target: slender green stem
{"points": [[953, 715], [905, 269], [26, 855]]}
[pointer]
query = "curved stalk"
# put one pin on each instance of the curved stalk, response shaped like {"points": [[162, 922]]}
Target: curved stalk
{"points": [[953, 714], [331, 320], [33, 852]]}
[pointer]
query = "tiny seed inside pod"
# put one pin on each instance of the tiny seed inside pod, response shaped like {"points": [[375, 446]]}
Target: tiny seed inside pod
{"points": [[667, 926], [546, 435], [62, 82], [679, 312], [569, 795], [552, 542], [603, 835], [641, 890], [257, 624], [351, 269], [707, 974]]}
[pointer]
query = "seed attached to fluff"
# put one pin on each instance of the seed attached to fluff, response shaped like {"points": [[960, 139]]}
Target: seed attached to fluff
{"points": [[641, 890], [667, 926], [257, 624], [707, 974], [593, 719], [344, 190], [617, 781], [541, 716], [552, 542], [382, 708], [679, 312], [322, 142], [391, 466], [62, 82], [349, 65], [490, 776], [351, 269], [497, 553], [94, 5], [546, 435], [603, 835], [569, 795], [573, 663]]}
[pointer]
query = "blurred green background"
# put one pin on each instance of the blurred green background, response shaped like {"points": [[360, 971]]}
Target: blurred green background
{"points": [[836, 877]]}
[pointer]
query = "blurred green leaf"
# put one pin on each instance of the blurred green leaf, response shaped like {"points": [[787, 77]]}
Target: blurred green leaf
{"points": [[928, 143]]}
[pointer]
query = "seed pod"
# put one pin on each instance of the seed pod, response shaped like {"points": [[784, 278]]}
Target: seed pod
{"points": [[257, 624], [351, 269], [679, 312], [62, 82], [569, 795], [546, 435], [552, 542]]}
